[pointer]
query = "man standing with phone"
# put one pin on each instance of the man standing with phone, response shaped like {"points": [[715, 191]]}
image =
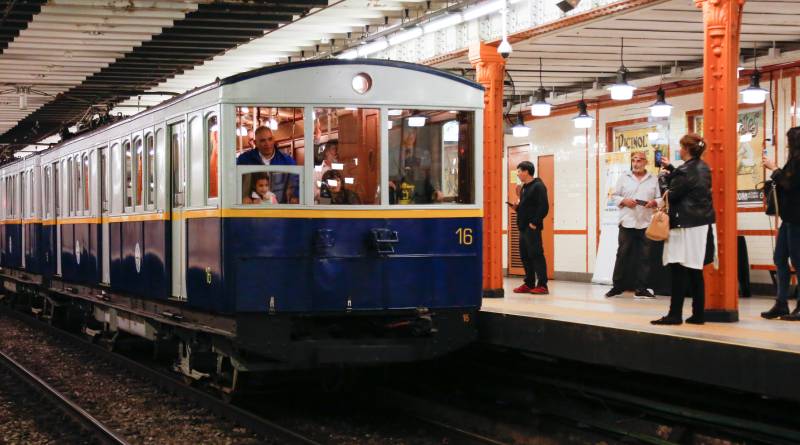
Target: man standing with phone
{"points": [[638, 195], [531, 210]]}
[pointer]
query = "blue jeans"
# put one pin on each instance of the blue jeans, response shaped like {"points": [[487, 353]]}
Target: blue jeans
{"points": [[787, 246]]}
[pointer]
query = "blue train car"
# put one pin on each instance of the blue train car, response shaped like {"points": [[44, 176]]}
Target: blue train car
{"points": [[305, 215]]}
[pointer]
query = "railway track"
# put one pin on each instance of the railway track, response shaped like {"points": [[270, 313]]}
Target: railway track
{"points": [[92, 429], [174, 385]]}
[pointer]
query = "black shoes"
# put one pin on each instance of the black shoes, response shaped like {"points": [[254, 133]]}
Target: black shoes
{"points": [[667, 321], [643, 294], [694, 319], [614, 292], [781, 308], [794, 315]]}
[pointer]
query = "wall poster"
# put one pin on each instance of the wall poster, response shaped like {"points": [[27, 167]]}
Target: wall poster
{"points": [[749, 167]]}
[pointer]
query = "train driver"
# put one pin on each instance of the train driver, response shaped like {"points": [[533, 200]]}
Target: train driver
{"points": [[285, 186]]}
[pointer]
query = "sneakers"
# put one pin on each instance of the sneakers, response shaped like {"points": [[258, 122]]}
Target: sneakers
{"points": [[540, 290], [524, 289], [613, 292], [780, 308], [643, 294], [667, 321]]}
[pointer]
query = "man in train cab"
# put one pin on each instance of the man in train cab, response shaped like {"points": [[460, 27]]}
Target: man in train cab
{"points": [[265, 153], [638, 193], [531, 209]]}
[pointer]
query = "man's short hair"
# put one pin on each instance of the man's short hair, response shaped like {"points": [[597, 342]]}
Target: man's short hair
{"points": [[527, 166], [262, 128], [639, 153]]}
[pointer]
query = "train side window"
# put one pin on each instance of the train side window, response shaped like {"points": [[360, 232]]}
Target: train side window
{"points": [[137, 168], [177, 134], [31, 194], [87, 184], [102, 179], [258, 184], [24, 195], [346, 155], [69, 184], [46, 192], [150, 156], [212, 151], [59, 175], [195, 162], [127, 167], [272, 136], [78, 187], [431, 157]]}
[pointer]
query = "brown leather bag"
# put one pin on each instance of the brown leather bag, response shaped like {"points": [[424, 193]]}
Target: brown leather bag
{"points": [[658, 230]]}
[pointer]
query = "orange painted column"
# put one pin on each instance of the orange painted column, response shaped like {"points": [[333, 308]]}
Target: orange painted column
{"points": [[489, 72], [722, 23]]}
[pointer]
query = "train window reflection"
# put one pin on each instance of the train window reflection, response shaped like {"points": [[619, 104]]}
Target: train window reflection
{"points": [[272, 136], [138, 167], [431, 157], [213, 156], [259, 187], [128, 172], [346, 155]]}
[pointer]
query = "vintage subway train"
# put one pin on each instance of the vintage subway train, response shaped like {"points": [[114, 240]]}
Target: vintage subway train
{"points": [[300, 216]]}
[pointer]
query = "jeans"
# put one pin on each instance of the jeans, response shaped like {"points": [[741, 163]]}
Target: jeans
{"points": [[787, 246], [686, 281], [531, 253], [632, 268]]}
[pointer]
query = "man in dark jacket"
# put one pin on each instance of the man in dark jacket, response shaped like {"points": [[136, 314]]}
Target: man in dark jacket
{"points": [[531, 210], [285, 186]]}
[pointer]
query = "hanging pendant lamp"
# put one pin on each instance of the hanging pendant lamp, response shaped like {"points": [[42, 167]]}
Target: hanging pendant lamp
{"points": [[520, 130], [583, 119], [754, 94], [540, 105], [621, 90], [660, 107]]}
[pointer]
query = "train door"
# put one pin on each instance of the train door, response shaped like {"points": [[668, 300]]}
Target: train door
{"points": [[105, 233], [516, 155], [544, 171], [177, 150], [57, 192]]}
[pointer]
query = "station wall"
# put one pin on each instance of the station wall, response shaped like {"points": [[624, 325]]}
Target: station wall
{"points": [[578, 172]]}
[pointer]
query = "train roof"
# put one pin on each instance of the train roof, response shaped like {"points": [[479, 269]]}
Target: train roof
{"points": [[264, 71]]}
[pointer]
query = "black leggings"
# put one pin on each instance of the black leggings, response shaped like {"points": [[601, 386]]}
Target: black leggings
{"points": [[686, 282]]}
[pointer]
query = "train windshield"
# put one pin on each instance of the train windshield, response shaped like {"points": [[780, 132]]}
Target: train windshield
{"points": [[431, 156]]}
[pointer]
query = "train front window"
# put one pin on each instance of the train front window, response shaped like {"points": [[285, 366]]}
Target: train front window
{"points": [[431, 157], [271, 138], [346, 156]]}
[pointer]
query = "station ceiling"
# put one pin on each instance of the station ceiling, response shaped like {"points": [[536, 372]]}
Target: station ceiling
{"points": [[584, 51], [71, 58]]}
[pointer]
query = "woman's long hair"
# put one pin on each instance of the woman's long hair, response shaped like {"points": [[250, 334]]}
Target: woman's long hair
{"points": [[793, 159]]}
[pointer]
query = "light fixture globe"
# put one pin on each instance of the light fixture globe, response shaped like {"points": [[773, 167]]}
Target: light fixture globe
{"points": [[582, 120], [621, 90], [540, 106], [416, 121], [520, 130], [660, 107], [754, 94]]}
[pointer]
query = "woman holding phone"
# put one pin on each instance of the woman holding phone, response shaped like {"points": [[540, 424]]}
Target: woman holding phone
{"points": [[691, 244], [787, 185]]}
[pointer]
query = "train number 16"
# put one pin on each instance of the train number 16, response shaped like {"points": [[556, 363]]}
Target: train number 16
{"points": [[464, 236]]}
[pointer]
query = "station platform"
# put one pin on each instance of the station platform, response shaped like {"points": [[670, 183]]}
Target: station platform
{"points": [[576, 322]]}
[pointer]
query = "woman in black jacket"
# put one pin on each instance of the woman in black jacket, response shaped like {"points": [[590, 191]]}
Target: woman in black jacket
{"points": [[787, 184], [691, 241]]}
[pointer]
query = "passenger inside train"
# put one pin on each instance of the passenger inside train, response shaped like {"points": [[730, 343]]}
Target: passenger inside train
{"points": [[334, 191], [259, 190]]}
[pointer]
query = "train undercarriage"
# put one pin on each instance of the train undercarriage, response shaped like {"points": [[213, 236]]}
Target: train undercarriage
{"points": [[235, 352]]}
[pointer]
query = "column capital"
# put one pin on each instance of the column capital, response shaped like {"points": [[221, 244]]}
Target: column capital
{"points": [[480, 52]]}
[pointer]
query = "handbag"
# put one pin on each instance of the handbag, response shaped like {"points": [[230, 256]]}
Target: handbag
{"points": [[658, 230], [770, 196]]}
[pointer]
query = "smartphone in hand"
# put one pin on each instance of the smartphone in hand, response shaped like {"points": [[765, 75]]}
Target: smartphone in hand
{"points": [[641, 202], [657, 158]]}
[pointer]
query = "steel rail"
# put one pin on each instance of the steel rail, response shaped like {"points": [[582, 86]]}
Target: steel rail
{"points": [[171, 383], [88, 422]]}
